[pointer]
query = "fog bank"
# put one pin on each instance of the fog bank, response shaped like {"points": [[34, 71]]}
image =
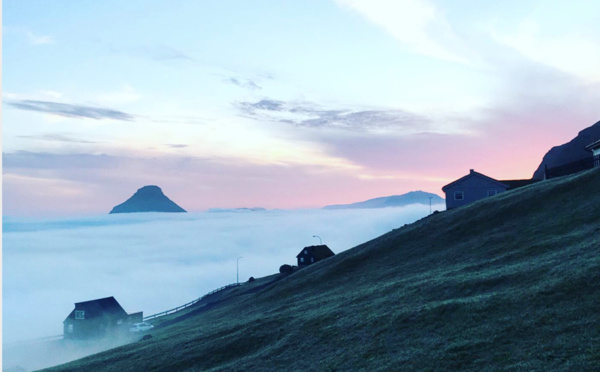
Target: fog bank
{"points": [[152, 262]]}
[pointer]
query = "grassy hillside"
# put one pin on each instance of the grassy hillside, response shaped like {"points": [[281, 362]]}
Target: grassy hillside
{"points": [[511, 283]]}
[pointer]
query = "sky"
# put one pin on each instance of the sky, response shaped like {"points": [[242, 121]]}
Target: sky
{"points": [[284, 104], [155, 261]]}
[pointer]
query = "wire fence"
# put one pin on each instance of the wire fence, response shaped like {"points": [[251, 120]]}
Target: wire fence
{"points": [[179, 308]]}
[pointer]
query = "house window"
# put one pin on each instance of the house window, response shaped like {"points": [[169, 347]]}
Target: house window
{"points": [[305, 251], [79, 314], [459, 195], [70, 328], [492, 192], [301, 259], [120, 321], [312, 259]]}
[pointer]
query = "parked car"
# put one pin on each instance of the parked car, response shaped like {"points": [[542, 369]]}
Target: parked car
{"points": [[141, 327]]}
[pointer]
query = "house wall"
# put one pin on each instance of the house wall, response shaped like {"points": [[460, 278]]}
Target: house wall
{"points": [[596, 155], [95, 328], [135, 318], [473, 189], [84, 329], [308, 258]]}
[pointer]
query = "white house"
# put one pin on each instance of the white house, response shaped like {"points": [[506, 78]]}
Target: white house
{"points": [[595, 149]]}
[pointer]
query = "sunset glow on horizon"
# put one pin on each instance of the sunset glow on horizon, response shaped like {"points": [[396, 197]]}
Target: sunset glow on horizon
{"points": [[284, 104]]}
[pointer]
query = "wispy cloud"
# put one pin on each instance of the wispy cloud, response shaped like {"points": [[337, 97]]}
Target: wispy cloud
{"points": [[39, 39], [125, 94], [71, 110], [166, 53], [177, 146], [244, 83], [416, 24], [306, 114], [573, 49], [57, 138]]}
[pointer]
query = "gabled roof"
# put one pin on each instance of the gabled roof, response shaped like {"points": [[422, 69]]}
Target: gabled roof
{"points": [[593, 145], [471, 174], [101, 307], [318, 251]]}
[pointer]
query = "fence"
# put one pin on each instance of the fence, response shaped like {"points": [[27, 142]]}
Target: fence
{"points": [[178, 308], [573, 167]]}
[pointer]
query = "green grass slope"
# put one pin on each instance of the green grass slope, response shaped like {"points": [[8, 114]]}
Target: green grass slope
{"points": [[511, 283]]}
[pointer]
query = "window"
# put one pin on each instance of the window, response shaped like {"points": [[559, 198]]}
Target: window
{"points": [[492, 192], [459, 195], [120, 321], [79, 314], [301, 259], [312, 259], [70, 328], [305, 251]]}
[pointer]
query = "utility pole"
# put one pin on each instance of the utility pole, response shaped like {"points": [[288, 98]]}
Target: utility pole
{"points": [[320, 240], [238, 270]]}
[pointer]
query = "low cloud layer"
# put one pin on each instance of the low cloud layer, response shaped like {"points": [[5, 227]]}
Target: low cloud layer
{"points": [[152, 262], [71, 110]]}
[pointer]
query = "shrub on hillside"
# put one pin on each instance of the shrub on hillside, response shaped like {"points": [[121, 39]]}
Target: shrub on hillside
{"points": [[286, 269], [251, 279]]}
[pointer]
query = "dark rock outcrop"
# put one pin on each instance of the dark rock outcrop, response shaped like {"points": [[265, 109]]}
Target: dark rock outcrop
{"points": [[148, 199], [413, 197], [569, 152]]}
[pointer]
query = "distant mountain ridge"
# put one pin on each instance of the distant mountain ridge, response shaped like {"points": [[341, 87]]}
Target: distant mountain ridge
{"points": [[148, 199], [413, 197], [571, 151]]}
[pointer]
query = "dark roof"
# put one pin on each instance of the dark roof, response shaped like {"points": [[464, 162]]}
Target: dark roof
{"points": [[318, 251], [513, 184], [472, 173], [593, 145], [101, 307]]}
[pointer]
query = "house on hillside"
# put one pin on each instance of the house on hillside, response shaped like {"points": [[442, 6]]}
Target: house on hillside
{"points": [[314, 253], [594, 148], [475, 186], [99, 318]]}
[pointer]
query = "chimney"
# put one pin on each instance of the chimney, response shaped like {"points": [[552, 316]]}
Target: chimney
{"points": [[472, 170]]}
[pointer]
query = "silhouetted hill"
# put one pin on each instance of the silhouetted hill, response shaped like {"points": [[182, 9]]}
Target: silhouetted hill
{"points": [[147, 199], [413, 197], [569, 152]]}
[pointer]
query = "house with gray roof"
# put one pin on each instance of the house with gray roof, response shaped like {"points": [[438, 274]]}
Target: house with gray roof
{"points": [[475, 186], [472, 187]]}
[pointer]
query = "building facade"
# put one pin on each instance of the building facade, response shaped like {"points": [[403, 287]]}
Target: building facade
{"points": [[595, 149], [314, 253], [470, 188], [99, 318]]}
